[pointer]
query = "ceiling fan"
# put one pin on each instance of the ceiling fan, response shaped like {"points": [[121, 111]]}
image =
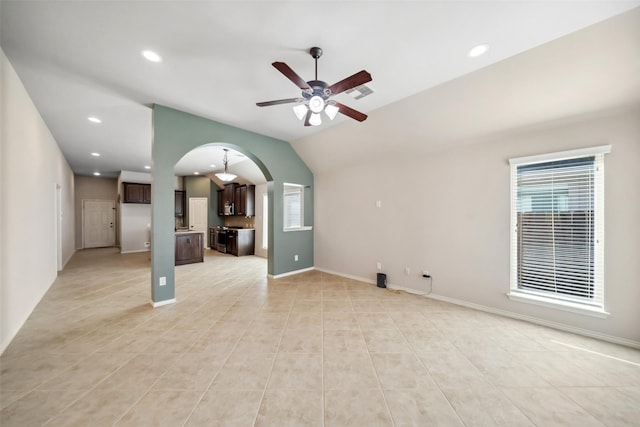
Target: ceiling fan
{"points": [[316, 94]]}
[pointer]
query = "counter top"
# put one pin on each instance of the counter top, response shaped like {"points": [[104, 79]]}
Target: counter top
{"points": [[188, 231]]}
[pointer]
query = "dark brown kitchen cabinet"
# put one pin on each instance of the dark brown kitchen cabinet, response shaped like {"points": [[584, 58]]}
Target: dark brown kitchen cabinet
{"points": [[220, 202], [136, 193], [232, 242], [241, 242], [189, 248], [245, 200], [230, 192], [180, 203]]}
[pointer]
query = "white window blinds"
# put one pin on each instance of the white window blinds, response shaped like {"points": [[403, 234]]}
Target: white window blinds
{"points": [[292, 206], [557, 228]]}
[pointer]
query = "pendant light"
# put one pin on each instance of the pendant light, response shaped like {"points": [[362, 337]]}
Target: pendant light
{"points": [[226, 176]]}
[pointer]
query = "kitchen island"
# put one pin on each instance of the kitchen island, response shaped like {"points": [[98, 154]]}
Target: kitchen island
{"points": [[189, 247]]}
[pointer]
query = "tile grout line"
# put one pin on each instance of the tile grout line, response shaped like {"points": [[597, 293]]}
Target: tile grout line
{"points": [[375, 371], [219, 369]]}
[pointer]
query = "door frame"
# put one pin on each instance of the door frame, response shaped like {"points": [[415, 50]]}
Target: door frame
{"points": [[206, 211], [113, 208]]}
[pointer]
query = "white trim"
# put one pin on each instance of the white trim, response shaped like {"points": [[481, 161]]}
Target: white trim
{"points": [[557, 304], [303, 228], [538, 321], [134, 252], [289, 273], [561, 155], [548, 300], [156, 304], [408, 290], [348, 276]]}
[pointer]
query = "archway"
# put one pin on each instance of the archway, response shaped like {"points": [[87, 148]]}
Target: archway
{"points": [[197, 175], [175, 134]]}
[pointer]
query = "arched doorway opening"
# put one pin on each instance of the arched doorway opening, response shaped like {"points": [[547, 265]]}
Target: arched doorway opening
{"points": [[197, 175], [176, 133]]}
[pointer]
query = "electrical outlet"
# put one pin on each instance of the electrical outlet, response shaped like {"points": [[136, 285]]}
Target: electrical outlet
{"points": [[378, 203], [425, 273], [147, 244], [379, 265], [163, 281], [295, 258]]}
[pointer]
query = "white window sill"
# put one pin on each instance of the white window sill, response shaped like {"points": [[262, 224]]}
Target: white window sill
{"points": [[528, 298], [306, 228]]}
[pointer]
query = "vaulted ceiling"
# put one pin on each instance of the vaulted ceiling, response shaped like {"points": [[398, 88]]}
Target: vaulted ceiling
{"points": [[546, 60]]}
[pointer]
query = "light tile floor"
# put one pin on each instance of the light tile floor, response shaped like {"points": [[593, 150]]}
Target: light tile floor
{"points": [[314, 349]]}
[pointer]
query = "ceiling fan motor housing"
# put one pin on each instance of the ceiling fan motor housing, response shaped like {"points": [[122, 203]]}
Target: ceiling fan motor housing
{"points": [[320, 89]]}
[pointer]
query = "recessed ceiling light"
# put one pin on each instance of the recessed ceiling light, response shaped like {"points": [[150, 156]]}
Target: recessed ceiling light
{"points": [[96, 173], [95, 154], [212, 166], [479, 50], [147, 167], [151, 56], [196, 173], [95, 120]]}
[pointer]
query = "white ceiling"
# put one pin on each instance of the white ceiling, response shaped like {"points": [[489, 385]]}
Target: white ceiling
{"points": [[81, 59]]}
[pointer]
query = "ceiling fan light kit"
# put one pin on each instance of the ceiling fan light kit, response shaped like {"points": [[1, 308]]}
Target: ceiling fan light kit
{"points": [[316, 94]]}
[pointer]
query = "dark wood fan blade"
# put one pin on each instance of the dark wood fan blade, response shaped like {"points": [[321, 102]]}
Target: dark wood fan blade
{"points": [[306, 119], [278, 101], [291, 75], [354, 114], [355, 80]]}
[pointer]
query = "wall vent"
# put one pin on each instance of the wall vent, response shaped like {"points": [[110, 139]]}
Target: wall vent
{"points": [[359, 92]]}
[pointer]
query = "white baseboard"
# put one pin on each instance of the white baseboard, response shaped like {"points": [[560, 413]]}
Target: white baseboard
{"points": [[530, 319], [135, 252], [156, 304], [542, 322], [289, 273], [348, 276]]}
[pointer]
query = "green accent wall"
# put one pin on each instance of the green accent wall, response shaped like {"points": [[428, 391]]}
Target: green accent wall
{"points": [[175, 133]]}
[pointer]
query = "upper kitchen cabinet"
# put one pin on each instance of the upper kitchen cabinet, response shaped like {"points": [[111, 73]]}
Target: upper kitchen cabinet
{"points": [[136, 193], [220, 202], [180, 203], [245, 200], [237, 200]]}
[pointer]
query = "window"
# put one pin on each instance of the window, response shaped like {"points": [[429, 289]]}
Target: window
{"points": [[293, 211], [294, 200], [265, 221], [557, 230]]}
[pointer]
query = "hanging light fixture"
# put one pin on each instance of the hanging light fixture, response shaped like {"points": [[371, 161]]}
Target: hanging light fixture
{"points": [[226, 176], [316, 94]]}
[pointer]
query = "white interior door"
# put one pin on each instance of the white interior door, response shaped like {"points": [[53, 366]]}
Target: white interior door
{"points": [[98, 223], [198, 213]]}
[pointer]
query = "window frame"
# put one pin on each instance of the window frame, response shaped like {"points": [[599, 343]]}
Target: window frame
{"points": [[293, 188], [597, 308]]}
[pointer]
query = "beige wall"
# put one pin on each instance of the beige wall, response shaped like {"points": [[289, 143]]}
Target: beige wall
{"points": [[92, 188], [35, 178], [448, 213]]}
